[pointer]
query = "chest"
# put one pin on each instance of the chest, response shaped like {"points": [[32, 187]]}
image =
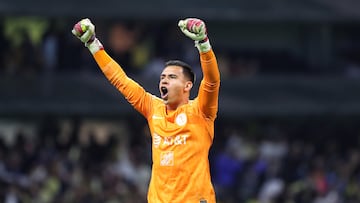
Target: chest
{"points": [[179, 128], [172, 123]]}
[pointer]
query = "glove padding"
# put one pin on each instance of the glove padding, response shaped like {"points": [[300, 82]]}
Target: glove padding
{"points": [[195, 29], [85, 31]]}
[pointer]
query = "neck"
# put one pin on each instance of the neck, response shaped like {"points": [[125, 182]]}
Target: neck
{"points": [[174, 106]]}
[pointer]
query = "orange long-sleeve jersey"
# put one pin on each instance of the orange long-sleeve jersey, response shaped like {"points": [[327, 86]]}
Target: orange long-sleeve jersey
{"points": [[181, 139]]}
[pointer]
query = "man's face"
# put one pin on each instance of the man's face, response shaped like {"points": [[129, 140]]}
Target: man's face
{"points": [[173, 85]]}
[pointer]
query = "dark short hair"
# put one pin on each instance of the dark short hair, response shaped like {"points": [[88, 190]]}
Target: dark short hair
{"points": [[187, 70]]}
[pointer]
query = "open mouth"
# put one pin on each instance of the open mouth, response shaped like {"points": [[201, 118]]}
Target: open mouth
{"points": [[164, 92]]}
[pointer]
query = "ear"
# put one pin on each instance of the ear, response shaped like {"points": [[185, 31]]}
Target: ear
{"points": [[188, 86]]}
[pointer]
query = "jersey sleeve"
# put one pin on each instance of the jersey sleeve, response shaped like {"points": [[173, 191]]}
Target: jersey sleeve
{"points": [[209, 86], [132, 91]]}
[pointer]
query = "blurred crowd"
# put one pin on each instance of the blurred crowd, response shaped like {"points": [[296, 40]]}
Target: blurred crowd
{"points": [[142, 48], [274, 162], [68, 160], [72, 160]]}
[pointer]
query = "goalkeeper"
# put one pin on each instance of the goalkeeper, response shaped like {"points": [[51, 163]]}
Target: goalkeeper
{"points": [[182, 130]]}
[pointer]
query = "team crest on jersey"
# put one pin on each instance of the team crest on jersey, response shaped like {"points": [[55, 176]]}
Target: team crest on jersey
{"points": [[181, 119]]}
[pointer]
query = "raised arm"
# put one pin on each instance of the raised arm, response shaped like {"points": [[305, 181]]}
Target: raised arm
{"points": [[132, 91], [209, 87]]}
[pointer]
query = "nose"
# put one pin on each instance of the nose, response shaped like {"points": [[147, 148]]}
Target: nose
{"points": [[164, 80]]}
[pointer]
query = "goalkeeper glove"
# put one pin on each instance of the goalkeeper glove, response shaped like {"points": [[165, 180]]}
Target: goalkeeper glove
{"points": [[196, 30], [85, 31]]}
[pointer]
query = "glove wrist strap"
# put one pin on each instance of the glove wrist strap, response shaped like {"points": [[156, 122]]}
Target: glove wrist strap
{"points": [[94, 46], [203, 45]]}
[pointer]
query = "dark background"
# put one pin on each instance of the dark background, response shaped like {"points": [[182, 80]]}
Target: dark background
{"points": [[289, 106]]}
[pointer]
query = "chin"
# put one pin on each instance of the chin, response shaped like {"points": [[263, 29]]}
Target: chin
{"points": [[165, 102]]}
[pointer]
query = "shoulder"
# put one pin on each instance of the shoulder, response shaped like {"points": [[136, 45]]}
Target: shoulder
{"points": [[193, 105], [157, 103], [156, 100]]}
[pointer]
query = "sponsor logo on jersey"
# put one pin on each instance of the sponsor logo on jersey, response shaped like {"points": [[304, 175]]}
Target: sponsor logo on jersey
{"points": [[169, 141], [156, 117], [167, 158], [156, 140]]}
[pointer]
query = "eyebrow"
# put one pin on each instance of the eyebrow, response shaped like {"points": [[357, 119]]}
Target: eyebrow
{"points": [[170, 74]]}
